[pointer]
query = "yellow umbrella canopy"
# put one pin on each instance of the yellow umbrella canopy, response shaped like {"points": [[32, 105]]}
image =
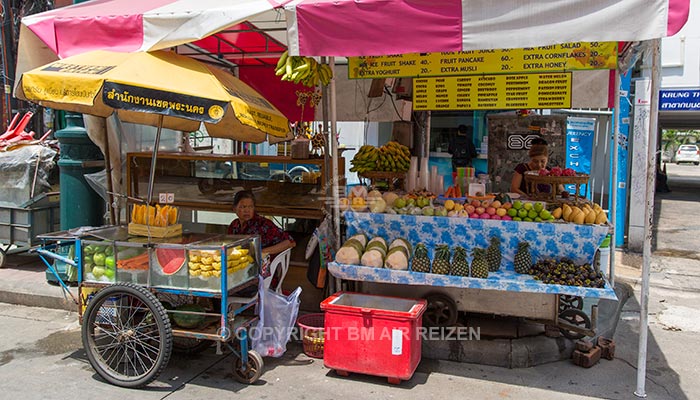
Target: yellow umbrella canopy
{"points": [[144, 87]]}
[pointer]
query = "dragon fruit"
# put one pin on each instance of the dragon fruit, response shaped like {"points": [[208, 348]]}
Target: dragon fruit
{"points": [[557, 171], [544, 172], [569, 172]]}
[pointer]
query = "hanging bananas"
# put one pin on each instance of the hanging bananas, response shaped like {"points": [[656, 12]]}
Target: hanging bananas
{"points": [[304, 70], [392, 157]]}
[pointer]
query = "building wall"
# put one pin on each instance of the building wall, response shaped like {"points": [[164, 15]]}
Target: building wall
{"points": [[680, 55]]}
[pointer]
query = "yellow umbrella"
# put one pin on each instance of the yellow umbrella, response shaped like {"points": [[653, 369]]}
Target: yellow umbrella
{"points": [[158, 89]]}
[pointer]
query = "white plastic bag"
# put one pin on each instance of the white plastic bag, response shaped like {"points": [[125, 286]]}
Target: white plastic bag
{"points": [[278, 315]]}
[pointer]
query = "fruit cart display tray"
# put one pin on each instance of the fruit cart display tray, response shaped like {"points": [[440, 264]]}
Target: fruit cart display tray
{"points": [[504, 280]]}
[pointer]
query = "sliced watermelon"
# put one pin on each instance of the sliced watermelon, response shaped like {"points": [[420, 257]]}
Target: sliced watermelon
{"points": [[170, 260]]}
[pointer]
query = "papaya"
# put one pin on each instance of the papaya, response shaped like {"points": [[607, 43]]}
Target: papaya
{"points": [[590, 217], [557, 213], [580, 217]]}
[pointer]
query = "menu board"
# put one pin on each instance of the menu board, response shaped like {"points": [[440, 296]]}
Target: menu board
{"points": [[493, 92], [560, 57]]}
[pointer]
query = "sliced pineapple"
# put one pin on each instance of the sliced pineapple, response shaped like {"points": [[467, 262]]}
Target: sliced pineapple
{"points": [[207, 260], [216, 265], [195, 272], [194, 258]]}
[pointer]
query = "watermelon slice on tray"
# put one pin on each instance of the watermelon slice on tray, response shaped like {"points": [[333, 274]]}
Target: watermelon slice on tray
{"points": [[170, 260]]}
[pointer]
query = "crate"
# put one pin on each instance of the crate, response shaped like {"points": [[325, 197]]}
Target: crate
{"points": [[374, 335], [312, 332], [155, 231]]}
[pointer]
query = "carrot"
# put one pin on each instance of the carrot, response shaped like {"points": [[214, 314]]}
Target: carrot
{"points": [[449, 193], [458, 190]]}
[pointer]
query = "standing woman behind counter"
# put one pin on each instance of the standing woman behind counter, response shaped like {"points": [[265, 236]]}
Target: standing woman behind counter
{"points": [[273, 240]]}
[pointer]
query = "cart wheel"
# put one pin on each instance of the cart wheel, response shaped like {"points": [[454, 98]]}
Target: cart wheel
{"points": [[252, 370], [127, 335], [441, 311], [577, 318], [3, 257], [566, 302], [207, 186], [186, 345]]}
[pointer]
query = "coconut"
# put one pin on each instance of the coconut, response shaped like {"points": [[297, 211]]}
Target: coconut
{"points": [[401, 242], [361, 237], [397, 259], [348, 255], [377, 205], [377, 241], [356, 244], [373, 258]]}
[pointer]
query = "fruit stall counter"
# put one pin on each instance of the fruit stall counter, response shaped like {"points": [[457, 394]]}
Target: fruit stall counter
{"points": [[577, 243]]}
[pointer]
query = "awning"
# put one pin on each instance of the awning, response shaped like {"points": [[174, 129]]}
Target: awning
{"points": [[381, 27]]}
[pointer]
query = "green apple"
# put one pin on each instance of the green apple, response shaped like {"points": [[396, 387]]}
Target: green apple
{"points": [[512, 212], [428, 211], [400, 202], [544, 214], [99, 259], [97, 272], [517, 219], [538, 219], [526, 219], [522, 213], [538, 207], [517, 204], [527, 206], [532, 214], [410, 202], [109, 273]]}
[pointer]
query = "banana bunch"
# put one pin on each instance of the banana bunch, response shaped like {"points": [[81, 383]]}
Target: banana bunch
{"points": [[392, 157], [303, 70], [583, 215]]}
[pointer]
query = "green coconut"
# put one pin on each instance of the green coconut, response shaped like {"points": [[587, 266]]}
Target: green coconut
{"points": [[360, 237], [401, 242], [188, 321], [397, 259]]}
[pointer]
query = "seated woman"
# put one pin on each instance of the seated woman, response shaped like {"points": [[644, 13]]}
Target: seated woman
{"points": [[539, 157], [273, 240]]}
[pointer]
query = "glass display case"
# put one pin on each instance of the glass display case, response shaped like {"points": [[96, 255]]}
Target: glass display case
{"points": [[191, 262], [283, 186]]}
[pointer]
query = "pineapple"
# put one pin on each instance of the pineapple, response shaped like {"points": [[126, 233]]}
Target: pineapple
{"points": [[493, 254], [421, 261], [441, 262], [523, 259], [480, 267], [460, 266]]}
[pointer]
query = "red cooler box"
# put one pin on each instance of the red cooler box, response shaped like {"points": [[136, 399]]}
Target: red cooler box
{"points": [[375, 335]]}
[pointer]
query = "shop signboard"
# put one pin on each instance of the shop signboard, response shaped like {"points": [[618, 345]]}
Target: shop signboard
{"points": [[580, 133], [560, 57], [493, 92], [679, 100]]}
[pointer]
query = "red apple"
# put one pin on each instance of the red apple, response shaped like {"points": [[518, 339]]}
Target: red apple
{"points": [[484, 216], [476, 203], [507, 205], [506, 218], [501, 212], [469, 208], [495, 217], [496, 204], [486, 203], [480, 210], [491, 211], [473, 215]]}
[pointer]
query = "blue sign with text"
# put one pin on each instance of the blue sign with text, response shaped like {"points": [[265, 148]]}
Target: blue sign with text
{"points": [[679, 99], [579, 147]]}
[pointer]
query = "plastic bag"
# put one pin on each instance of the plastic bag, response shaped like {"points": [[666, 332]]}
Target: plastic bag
{"points": [[278, 314]]}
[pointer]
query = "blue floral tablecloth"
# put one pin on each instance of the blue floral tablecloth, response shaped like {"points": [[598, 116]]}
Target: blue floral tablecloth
{"points": [[547, 240]]}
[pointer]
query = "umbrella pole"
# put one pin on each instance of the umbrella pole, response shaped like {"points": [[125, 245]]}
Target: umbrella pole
{"points": [[152, 176]]}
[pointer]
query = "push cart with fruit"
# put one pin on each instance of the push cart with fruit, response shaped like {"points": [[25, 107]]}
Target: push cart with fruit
{"points": [[528, 295], [141, 298]]}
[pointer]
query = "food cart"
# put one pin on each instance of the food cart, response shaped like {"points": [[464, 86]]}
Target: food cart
{"points": [[140, 298]]}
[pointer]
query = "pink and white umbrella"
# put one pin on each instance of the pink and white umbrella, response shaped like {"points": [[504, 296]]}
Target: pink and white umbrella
{"points": [[380, 27]]}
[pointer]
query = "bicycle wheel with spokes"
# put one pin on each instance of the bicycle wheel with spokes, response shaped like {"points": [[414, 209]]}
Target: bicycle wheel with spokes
{"points": [[127, 335]]}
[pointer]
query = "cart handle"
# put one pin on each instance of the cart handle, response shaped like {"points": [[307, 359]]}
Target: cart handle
{"points": [[56, 257]]}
